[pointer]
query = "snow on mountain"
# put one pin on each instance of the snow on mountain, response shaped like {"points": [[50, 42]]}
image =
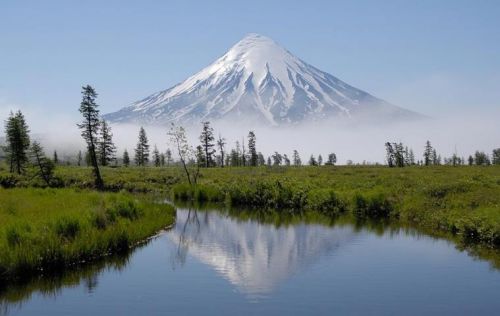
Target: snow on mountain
{"points": [[258, 81]]}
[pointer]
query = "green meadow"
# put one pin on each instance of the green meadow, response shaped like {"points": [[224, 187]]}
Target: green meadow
{"points": [[50, 229]]}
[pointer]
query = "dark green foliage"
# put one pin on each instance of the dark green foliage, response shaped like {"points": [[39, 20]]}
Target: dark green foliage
{"points": [[156, 157], [142, 149], [252, 150], [296, 158], [90, 129], [325, 201], [207, 143], [374, 205], [106, 147], [332, 159], [428, 154], [481, 159], [126, 158], [313, 161], [17, 142], [44, 166]]}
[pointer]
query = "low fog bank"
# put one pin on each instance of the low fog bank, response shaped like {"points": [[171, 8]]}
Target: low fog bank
{"points": [[463, 134]]}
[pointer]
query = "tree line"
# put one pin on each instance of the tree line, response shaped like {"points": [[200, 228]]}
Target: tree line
{"points": [[399, 155], [20, 152]]}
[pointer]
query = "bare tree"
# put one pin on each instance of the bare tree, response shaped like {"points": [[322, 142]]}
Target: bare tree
{"points": [[185, 152]]}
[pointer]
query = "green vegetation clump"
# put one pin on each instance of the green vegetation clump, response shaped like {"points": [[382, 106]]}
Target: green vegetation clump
{"points": [[50, 229]]}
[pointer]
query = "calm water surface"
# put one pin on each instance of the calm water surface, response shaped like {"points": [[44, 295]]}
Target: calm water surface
{"points": [[212, 263]]}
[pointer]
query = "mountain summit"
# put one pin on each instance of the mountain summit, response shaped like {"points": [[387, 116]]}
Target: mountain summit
{"points": [[258, 81]]}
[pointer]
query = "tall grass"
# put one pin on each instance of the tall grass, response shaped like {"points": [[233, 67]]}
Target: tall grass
{"points": [[49, 229]]}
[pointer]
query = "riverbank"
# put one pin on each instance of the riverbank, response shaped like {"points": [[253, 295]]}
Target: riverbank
{"points": [[47, 230], [464, 201]]}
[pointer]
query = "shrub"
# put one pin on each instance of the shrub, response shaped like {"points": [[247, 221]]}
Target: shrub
{"points": [[326, 201], [375, 205]]}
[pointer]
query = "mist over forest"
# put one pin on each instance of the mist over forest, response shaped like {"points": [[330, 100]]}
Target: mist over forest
{"points": [[462, 134]]}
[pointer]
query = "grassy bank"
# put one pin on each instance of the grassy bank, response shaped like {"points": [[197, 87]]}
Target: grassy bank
{"points": [[50, 229], [462, 200]]}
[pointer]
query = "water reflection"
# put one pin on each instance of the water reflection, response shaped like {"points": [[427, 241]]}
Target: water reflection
{"points": [[254, 257], [258, 251]]}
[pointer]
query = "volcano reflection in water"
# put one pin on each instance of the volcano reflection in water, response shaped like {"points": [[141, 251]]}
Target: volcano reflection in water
{"points": [[253, 256]]}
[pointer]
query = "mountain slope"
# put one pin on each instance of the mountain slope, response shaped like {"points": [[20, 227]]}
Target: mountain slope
{"points": [[258, 81]]}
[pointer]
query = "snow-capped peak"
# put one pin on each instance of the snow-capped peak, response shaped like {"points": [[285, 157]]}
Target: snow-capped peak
{"points": [[255, 79]]}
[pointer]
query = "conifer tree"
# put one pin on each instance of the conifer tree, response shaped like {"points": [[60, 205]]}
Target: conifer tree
{"points": [[90, 128], [162, 159], [296, 158], [126, 158], [312, 161], [428, 153], [253, 161], [142, 149], [156, 157], [106, 148], [277, 158], [390, 155], [44, 165], [481, 158], [234, 158], [470, 160], [269, 161], [56, 158], [320, 160], [332, 159], [434, 157], [168, 157], [17, 142], [207, 142], [412, 157], [399, 154], [286, 160]]}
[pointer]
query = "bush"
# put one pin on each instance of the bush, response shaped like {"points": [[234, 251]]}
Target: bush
{"points": [[326, 201], [9, 180], [375, 205]]}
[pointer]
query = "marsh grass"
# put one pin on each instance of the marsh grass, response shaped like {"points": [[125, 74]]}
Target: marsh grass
{"points": [[49, 229], [462, 200]]}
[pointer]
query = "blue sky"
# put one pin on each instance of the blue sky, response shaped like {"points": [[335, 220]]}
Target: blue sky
{"points": [[428, 56]]}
